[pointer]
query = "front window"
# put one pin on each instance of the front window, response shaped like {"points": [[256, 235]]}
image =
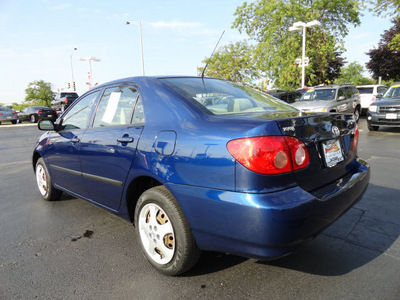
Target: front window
{"points": [[393, 92], [78, 116], [320, 94], [221, 97]]}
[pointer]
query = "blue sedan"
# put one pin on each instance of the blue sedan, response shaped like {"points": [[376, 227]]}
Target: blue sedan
{"points": [[203, 164]]}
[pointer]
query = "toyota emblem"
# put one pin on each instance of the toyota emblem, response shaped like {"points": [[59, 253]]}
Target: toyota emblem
{"points": [[335, 131]]}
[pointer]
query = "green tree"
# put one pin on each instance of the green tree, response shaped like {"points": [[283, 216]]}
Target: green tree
{"points": [[39, 93], [267, 22], [353, 74], [234, 62]]}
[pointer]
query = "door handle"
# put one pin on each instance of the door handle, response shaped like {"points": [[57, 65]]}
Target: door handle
{"points": [[125, 140], [75, 140]]}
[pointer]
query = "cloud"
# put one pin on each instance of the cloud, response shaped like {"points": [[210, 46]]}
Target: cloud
{"points": [[61, 7]]}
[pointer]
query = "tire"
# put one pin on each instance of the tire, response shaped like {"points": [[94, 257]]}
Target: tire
{"points": [[14, 122], [357, 114], [372, 128], [165, 236], [43, 181], [33, 119]]}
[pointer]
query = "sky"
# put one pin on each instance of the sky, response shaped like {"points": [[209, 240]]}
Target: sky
{"points": [[37, 38]]}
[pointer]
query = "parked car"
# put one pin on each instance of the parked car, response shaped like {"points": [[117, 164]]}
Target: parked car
{"points": [[8, 115], [36, 113], [63, 100], [385, 111], [248, 175], [331, 98], [285, 95], [368, 94]]}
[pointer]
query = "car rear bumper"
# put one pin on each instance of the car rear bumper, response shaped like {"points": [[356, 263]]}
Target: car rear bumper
{"points": [[267, 225]]}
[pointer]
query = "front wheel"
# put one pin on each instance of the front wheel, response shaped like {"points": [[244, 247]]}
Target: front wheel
{"points": [[165, 236], [43, 180], [372, 128]]}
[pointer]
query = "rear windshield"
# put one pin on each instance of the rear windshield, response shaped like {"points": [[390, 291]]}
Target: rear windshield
{"points": [[222, 97], [5, 109], [320, 94], [69, 95], [366, 90]]}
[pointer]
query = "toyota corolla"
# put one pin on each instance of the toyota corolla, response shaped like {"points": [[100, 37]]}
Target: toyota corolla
{"points": [[203, 164]]}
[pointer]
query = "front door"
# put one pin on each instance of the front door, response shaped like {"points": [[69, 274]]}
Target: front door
{"points": [[108, 147]]}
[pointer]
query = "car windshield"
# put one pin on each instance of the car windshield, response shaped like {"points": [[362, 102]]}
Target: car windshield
{"points": [[5, 109], [393, 92], [320, 94], [222, 97], [366, 90]]}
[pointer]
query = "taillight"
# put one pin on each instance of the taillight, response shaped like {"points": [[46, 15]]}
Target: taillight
{"points": [[1, 114], [270, 154], [39, 112], [55, 111], [66, 100], [14, 112], [355, 138], [373, 98]]}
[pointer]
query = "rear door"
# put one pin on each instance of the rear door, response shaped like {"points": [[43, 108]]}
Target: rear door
{"points": [[108, 147]]}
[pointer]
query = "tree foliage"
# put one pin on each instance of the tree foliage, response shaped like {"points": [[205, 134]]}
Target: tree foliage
{"points": [[384, 61], [353, 74], [39, 93], [233, 62], [268, 22]]}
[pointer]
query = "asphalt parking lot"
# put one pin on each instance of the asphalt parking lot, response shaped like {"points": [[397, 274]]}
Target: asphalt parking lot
{"points": [[70, 249]]}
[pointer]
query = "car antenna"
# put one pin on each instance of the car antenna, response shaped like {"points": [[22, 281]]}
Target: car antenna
{"points": [[202, 73]]}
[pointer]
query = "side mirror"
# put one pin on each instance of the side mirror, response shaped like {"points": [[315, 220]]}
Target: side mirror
{"points": [[46, 125], [379, 96], [342, 98]]}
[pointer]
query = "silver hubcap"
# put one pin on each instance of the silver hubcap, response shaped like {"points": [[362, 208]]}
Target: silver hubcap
{"points": [[41, 179], [156, 233]]}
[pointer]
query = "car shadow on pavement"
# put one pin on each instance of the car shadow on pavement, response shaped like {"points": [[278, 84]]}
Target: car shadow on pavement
{"points": [[368, 230]]}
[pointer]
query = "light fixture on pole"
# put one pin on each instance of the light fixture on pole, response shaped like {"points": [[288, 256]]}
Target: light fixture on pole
{"points": [[304, 60], [72, 70], [141, 41], [90, 59]]}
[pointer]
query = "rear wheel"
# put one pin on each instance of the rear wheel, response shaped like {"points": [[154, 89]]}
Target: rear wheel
{"points": [[357, 114], [165, 236], [43, 180], [372, 128], [33, 119], [14, 122]]}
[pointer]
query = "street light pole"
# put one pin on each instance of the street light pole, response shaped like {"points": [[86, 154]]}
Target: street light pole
{"points": [[90, 59], [141, 40], [302, 26], [72, 70]]}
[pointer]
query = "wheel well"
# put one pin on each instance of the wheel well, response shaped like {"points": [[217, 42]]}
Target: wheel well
{"points": [[136, 188], [35, 158]]}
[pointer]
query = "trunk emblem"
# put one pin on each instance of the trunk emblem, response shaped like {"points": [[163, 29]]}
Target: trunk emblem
{"points": [[335, 131]]}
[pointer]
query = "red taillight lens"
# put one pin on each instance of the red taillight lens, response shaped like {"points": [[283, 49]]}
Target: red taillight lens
{"points": [[66, 100], [1, 114], [39, 112], [270, 154], [355, 138], [55, 111], [14, 112]]}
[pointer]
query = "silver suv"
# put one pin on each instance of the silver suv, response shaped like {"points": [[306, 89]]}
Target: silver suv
{"points": [[331, 98]]}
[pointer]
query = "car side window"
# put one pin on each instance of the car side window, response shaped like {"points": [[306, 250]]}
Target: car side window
{"points": [[138, 115], [341, 93], [116, 106], [79, 114]]}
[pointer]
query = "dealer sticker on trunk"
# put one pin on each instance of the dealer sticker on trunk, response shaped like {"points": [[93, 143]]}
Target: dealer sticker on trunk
{"points": [[332, 152]]}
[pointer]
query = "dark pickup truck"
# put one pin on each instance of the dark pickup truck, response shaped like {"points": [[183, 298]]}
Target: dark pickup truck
{"points": [[63, 100]]}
